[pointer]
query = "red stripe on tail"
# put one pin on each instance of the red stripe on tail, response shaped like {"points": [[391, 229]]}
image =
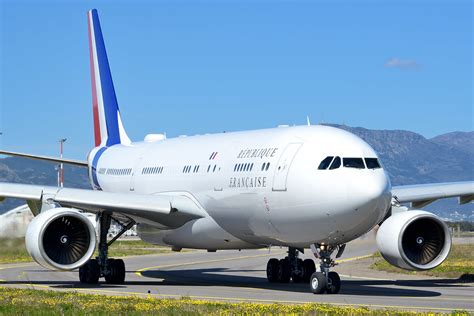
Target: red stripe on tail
{"points": [[95, 106]]}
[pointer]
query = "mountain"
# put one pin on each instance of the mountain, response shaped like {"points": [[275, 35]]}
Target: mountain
{"points": [[408, 157], [29, 171], [463, 141]]}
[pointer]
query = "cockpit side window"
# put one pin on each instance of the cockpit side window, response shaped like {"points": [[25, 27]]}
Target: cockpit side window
{"points": [[325, 163], [357, 163], [336, 163], [372, 163]]}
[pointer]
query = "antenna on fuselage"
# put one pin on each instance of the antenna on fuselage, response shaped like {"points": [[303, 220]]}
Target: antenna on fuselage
{"points": [[307, 120]]}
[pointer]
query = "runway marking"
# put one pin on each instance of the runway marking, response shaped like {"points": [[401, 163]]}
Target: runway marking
{"points": [[363, 278], [353, 259], [139, 273], [174, 265], [13, 266], [216, 298]]}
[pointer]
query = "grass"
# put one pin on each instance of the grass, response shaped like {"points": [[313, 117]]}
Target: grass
{"points": [[123, 248], [459, 264], [37, 302], [14, 251]]}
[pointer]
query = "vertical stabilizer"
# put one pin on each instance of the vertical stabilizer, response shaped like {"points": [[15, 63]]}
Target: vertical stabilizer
{"points": [[108, 127]]}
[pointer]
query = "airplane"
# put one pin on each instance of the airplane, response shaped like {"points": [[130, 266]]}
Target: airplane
{"points": [[303, 187]]}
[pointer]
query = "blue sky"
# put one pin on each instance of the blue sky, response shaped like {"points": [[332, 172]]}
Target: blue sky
{"points": [[191, 67]]}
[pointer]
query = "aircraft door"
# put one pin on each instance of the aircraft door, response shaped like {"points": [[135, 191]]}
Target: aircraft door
{"points": [[283, 166]]}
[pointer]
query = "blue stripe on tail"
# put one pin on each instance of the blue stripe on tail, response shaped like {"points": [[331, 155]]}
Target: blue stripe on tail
{"points": [[111, 108]]}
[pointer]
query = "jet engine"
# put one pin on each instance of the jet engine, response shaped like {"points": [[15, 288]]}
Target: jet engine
{"points": [[414, 240], [60, 239]]}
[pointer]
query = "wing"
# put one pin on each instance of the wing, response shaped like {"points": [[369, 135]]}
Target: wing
{"points": [[423, 194], [46, 158], [170, 210]]}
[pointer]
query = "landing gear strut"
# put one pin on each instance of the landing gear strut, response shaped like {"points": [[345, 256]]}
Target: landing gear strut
{"points": [[113, 270], [325, 280], [291, 267]]}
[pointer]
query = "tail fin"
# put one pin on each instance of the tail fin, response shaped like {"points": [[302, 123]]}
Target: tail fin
{"points": [[108, 127]]}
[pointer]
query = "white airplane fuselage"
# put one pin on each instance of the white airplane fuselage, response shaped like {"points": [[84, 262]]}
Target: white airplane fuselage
{"points": [[257, 188]]}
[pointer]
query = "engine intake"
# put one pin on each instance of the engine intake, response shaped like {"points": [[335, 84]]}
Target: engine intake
{"points": [[414, 240], [61, 239]]}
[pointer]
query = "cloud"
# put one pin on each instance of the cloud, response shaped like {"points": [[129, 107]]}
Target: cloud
{"points": [[395, 62]]}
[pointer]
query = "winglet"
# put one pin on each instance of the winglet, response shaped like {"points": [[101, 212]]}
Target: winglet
{"points": [[108, 127]]}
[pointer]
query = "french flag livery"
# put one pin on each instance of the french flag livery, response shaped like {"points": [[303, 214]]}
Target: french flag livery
{"points": [[108, 127]]}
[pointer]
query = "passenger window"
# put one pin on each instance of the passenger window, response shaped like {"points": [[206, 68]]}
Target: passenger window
{"points": [[263, 166], [268, 166], [325, 163], [357, 163], [372, 163], [336, 163]]}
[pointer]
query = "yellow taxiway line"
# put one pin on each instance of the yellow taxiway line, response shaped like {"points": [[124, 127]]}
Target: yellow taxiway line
{"points": [[237, 299], [174, 265]]}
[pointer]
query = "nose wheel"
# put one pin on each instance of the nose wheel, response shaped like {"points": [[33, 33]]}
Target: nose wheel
{"points": [[325, 281], [320, 284], [113, 270]]}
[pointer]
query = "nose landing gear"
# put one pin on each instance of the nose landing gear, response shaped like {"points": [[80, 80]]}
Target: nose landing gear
{"points": [[325, 280]]}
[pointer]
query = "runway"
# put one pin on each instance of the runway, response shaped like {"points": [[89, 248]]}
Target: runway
{"points": [[240, 276]]}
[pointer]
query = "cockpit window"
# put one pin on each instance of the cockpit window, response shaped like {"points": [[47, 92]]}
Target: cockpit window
{"points": [[336, 163], [325, 163], [372, 163], [353, 163]]}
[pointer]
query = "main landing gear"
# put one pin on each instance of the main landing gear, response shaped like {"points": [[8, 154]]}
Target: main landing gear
{"points": [[292, 267], [113, 270]]}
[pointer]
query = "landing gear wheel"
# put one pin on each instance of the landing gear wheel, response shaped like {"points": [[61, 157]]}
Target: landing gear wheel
{"points": [[116, 273], [318, 283], [90, 272], [113, 270], [334, 283], [298, 274], [284, 273], [309, 268], [273, 266]]}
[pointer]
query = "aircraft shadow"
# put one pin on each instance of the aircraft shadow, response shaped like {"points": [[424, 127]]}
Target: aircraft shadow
{"points": [[221, 277], [216, 277]]}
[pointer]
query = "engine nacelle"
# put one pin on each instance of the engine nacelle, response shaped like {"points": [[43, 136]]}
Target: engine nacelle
{"points": [[414, 240], [60, 239]]}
